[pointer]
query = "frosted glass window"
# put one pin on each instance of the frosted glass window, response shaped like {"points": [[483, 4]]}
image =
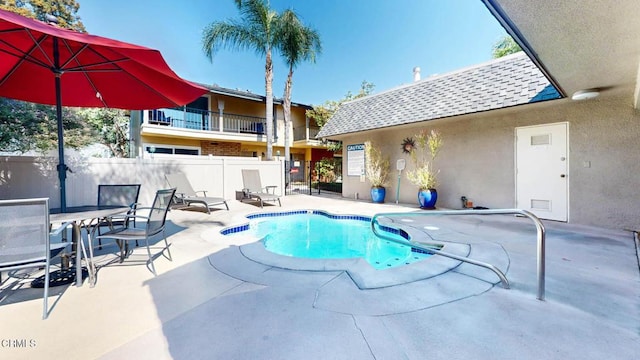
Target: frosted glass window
{"points": [[544, 139]]}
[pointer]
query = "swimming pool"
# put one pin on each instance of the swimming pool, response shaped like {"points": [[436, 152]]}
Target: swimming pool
{"points": [[320, 235]]}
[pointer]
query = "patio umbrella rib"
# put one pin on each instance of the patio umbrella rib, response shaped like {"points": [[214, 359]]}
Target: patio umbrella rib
{"points": [[133, 78], [24, 56], [93, 86], [37, 45], [74, 55], [118, 68], [87, 67], [86, 75]]}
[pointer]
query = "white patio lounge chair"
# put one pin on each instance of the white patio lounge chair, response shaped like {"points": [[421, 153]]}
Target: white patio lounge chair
{"points": [[253, 189], [186, 195]]}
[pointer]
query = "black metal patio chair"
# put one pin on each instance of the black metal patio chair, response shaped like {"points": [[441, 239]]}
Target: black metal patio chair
{"points": [[117, 195], [154, 225]]}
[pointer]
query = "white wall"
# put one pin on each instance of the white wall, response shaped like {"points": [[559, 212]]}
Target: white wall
{"points": [[27, 177], [477, 159]]}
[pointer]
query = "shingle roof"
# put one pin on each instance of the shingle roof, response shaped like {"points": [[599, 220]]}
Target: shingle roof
{"points": [[246, 94], [508, 81]]}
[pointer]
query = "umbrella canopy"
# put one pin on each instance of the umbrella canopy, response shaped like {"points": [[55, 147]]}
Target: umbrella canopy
{"points": [[44, 64], [95, 71]]}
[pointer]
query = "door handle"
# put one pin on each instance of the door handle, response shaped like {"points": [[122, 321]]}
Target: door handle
{"points": [[563, 175]]}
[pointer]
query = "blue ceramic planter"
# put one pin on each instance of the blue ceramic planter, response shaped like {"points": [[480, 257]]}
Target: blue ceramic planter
{"points": [[427, 198], [377, 194]]}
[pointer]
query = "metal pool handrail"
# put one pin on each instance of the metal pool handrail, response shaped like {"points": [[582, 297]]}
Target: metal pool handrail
{"points": [[539, 229]]}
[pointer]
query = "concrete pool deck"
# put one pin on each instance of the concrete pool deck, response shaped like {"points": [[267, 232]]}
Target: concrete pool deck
{"points": [[217, 299]]}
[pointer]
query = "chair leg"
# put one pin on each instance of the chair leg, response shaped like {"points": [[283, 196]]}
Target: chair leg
{"points": [[166, 243], [91, 266], [45, 309], [153, 268], [121, 245], [99, 240]]}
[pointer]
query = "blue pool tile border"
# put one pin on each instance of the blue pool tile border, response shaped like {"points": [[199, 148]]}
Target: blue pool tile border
{"points": [[285, 213], [235, 229], [342, 217], [245, 227]]}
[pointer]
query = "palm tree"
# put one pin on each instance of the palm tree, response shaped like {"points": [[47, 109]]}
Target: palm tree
{"points": [[505, 46], [257, 29], [298, 43]]}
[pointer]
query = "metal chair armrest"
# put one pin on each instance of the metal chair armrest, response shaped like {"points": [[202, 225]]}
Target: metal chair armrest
{"points": [[133, 206], [178, 198], [127, 217], [136, 216], [246, 193], [57, 231], [149, 208]]}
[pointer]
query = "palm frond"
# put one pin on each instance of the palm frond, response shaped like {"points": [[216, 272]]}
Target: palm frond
{"points": [[260, 18], [297, 42], [230, 35], [255, 30]]}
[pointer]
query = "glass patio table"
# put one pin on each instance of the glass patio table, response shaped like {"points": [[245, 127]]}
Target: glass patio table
{"points": [[81, 217]]}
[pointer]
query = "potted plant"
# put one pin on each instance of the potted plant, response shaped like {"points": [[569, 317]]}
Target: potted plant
{"points": [[423, 152], [376, 170]]}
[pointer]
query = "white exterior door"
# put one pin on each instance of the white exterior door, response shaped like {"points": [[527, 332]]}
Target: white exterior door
{"points": [[542, 169]]}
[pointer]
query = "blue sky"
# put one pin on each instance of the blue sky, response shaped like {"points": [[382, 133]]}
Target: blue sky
{"points": [[379, 41]]}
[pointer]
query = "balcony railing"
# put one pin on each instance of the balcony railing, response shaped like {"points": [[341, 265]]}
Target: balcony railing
{"points": [[188, 118], [196, 119], [185, 118], [300, 133], [243, 124]]}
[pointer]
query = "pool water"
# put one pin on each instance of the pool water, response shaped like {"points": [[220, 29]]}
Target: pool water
{"points": [[318, 236]]}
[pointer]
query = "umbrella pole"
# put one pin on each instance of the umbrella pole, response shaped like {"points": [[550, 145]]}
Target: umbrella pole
{"points": [[62, 168]]}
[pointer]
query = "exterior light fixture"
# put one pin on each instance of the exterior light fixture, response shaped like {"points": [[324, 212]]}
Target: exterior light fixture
{"points": [[585, 94]]}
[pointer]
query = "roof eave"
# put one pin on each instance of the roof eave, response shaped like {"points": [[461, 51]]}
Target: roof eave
{"points": [[504, 20]]}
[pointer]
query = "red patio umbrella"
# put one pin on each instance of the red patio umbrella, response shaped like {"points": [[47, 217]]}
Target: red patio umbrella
{"points": [[44, 64]]}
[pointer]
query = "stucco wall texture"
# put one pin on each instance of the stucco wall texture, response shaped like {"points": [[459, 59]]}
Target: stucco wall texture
{"points": [[477, 159]]}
